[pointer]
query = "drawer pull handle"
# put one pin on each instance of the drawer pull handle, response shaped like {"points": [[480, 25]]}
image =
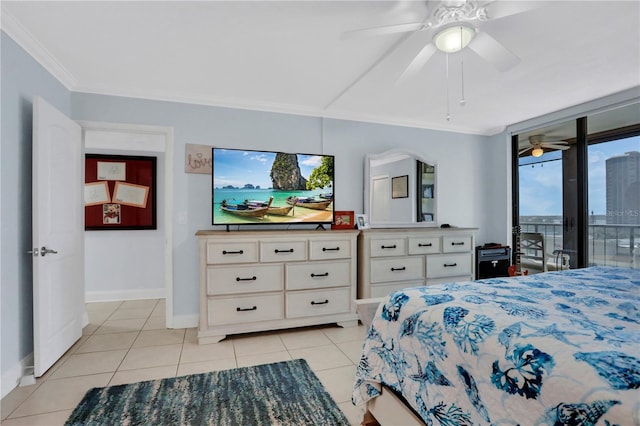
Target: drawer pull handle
{"points": [[326, 301], [246, 279], [255, 308], [233, 252], [388, 247], [283, 251], [453, 243], [404, 268], [326, 274], [330, 248], [425, 245], [446, 265]]}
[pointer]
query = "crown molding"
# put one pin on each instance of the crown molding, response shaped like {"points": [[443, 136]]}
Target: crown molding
{"points": [[14, 29]]}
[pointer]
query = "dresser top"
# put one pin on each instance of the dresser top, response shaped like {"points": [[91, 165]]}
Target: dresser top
{"points": [[279, 232], [425, 230]]}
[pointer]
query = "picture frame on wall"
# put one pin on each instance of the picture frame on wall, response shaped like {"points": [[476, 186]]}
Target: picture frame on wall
{"points": [[400, 187], [343, 220], [362, 222]]}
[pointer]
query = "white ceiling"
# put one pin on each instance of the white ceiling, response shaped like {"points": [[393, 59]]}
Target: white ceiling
{"points": [[291, 56]]}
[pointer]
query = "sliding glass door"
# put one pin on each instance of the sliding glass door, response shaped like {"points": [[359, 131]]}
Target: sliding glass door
{"points": [[577, 184]]}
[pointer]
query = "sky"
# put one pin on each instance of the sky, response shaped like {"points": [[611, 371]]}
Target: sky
{"points": [[541, 184], [239, 167]]}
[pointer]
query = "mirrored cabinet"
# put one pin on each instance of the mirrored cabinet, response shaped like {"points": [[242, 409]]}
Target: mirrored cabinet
{"points": [[400, 190]]}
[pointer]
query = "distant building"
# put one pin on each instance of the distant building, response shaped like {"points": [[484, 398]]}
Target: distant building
{"points": [[623, 189]]}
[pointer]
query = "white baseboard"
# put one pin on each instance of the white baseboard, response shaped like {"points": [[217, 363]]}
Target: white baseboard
{"points": [[12, 376], [110, 296], [185, 321]]}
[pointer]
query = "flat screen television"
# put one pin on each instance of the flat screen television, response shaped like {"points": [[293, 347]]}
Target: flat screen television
{"points": [[265, 187]]}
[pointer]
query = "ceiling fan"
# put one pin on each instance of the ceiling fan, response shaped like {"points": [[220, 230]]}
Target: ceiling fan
{"points": [[538, 143], [453, 25]]}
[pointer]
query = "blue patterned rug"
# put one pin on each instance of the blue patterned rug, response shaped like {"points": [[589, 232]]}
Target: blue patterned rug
{"points": [[283, 393]]}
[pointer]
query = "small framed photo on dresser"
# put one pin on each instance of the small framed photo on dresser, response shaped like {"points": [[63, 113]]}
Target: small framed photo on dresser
{"points": [[361, 221], [342, 220]]}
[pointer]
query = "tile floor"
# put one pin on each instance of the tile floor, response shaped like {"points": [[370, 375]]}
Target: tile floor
{"points": [[127, 342]]}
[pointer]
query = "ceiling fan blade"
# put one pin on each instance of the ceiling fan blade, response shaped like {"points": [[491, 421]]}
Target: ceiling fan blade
{"points": [[501, 9], [553, 146], [388, 29], [418, 62], [522, 151], [493, 51]]}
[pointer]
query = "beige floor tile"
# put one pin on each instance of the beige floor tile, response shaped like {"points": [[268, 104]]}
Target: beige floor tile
{"points": [[98, 317], [102, 306], [258, 358], [121, 326], [62, 394], [56, 418], [338, 382], [155, 323], [346, 334], [125, 314], [186, 368], [108, 342], [89, 329], [352, 349], [16, 397], [257, 344], [354, 414], [143, 374], [160, 309], [90, 363], [193, 352], [137, 304], [152, 356], [191, 336], [304, 339], [159, 338], [322, 357]]}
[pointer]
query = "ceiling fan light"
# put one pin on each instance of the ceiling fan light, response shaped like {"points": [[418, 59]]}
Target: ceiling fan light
{"points": [[453, 39], [537, 151]]}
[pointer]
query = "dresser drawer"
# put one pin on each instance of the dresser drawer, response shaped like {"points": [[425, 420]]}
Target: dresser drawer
{"points": [[318, 275], [424, 245], [448, 265], [243, 309], [245, 279], [310, 303], [388, 247], [401, 269], [232, 252], [273, 251], [330, 249], [451, 244]]}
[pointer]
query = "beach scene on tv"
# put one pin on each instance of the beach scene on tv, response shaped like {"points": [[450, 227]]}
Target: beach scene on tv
{"points": [[268, 187]]}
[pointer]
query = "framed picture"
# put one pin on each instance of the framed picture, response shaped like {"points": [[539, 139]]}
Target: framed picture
{"points": [[400, 187], [361, 221], [119, 192], [342, 220]]}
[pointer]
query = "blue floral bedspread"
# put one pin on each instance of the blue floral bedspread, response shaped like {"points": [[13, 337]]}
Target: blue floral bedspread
{"points": [[560, 348]]}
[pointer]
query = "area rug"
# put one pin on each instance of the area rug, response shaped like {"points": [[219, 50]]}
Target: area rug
{"points": [[283, 393]]}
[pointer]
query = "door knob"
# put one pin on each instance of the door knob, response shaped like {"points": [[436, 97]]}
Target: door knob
{"points": [[44, 251]]}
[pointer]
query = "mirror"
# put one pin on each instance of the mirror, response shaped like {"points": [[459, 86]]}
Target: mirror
{"points": [[400, 190]]}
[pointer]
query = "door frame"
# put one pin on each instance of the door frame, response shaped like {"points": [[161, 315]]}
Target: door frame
{"points": [[167, 132]]}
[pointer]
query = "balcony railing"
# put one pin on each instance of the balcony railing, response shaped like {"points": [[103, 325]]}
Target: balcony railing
{"points": [[609, 245]]}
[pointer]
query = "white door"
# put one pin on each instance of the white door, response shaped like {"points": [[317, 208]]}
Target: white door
{"points": [[380, 199], [58, 226]]}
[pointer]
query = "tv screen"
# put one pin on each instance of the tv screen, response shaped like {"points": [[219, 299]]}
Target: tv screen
{"points": [[263, 187]]}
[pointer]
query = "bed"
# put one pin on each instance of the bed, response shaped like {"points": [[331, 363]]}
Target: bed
{"points": [[559, 348]]}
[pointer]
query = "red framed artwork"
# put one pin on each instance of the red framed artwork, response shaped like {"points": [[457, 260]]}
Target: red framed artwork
{"points": [[119, 192], [343, 220]]}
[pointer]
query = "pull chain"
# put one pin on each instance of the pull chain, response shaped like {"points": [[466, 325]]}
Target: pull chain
{"points": [[447, 72], [463, 101]]}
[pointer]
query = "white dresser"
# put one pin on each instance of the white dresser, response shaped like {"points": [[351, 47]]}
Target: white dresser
{"points": [[391, 259], [265, 280]]}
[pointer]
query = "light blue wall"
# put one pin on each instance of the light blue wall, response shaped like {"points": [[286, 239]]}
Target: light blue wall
{"points": [[465, 163], [22, 79]]}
